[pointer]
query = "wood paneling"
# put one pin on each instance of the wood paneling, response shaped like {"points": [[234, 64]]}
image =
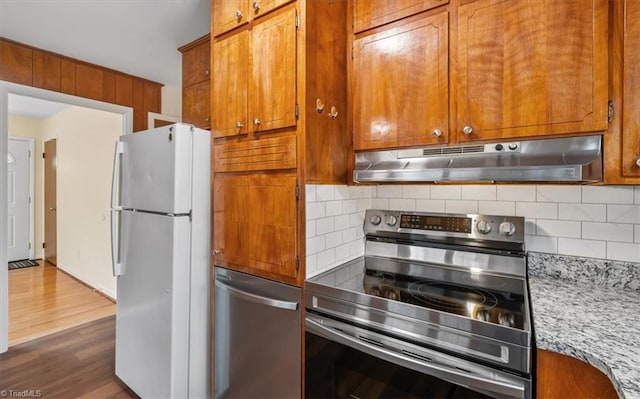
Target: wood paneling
{"points": [[152, 98], [196, 106], [631, 90], [75, 363], [89, 81], [228, 14], [252, 155], [124, 90], [255, 225], [16, 63], [67, 76], [46, 71], [139, 117], [411, 101], [108, 87], [531, 68], [371, 13], [229, 94], [560, 376]]}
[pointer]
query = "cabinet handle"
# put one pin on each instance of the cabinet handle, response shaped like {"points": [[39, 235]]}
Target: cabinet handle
{"points": [[238, 14], [206, 72], [217, 251], [239, 125], [206, 119], [256, 5], [467, 130], [333, 112], [437, 133], [638, 162], [256, 122]]}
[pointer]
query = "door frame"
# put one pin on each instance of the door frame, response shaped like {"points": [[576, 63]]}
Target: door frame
{"points": [[7, 88], [32, 163]]}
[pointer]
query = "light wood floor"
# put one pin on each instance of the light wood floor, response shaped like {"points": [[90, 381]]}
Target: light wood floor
{"points": [[44, 300]]}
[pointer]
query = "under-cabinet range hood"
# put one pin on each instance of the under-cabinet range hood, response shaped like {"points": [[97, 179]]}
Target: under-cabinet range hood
{"points": [[573, 159]]}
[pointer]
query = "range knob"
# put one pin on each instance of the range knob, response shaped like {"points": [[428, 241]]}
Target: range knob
{"points": [[392, 220], [507, 228], [375, 220], [483, 227]]}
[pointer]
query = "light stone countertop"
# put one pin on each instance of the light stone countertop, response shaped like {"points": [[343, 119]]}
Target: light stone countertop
{"points": [[589, 317]]}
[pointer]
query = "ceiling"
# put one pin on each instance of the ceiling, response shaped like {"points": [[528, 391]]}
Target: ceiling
{"points": [[31, 107], [138, 37]]}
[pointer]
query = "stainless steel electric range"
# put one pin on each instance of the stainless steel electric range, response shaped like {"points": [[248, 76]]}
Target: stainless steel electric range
{"points": [[437, 307]]}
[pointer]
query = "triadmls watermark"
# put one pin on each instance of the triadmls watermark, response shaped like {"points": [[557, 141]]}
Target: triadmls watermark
{"points": [[26, 393]]}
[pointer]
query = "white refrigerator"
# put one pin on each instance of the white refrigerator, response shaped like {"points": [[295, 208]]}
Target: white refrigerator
{"points": [[160, 239]]}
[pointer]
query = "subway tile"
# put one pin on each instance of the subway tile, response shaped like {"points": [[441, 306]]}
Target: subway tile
{"points": [[586, 248], [349, 206], [607, 194], [312, 264], [461, 206], [310, 192], [637, 232], [325, 258], [350, 234], [502, 208], [341, 193], [325, 225], [334, 208], [363, 204], [607, 231], [315, 245], [356, 219], [627, 252], [343, 251], [558, 193], [316, 210], [389, 191], [341, 222], [516, 193], [530, 227], [357, 248], [430, 205], [402, 204], [334, 239], [417, 192], [310, 228], [623, 213], [558, 228], [541, 244], [637, 194], [325, 193], [583, 212], [487, 193], [446, 192], [380, 203], [537, 210]]}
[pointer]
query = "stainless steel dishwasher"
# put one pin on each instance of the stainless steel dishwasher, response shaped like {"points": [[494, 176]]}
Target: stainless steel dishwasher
{"points": [[257, 337]]}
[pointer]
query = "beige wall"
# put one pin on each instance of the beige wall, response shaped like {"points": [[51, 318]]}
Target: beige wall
{"points": [[85, 142], [32, 128], [171, 101]]}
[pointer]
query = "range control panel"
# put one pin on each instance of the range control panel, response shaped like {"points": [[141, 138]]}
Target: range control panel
{"points": [[469, 226]]}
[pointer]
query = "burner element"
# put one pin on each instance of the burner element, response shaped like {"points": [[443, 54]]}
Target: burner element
{"points": [[452, 297]]}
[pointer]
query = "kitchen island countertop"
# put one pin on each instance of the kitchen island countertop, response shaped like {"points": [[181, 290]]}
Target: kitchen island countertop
{"points": [[590, 321]]}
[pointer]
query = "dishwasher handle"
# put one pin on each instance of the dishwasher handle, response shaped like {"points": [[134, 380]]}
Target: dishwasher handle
{"points": [[263, 300]]}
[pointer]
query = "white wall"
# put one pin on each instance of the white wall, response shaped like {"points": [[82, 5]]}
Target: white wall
{"points": [[171, 101], [85, 142], [20, 126], [588, 221]]}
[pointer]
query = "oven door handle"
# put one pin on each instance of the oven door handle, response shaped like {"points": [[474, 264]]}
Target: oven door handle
{"points": [[374, 344]]}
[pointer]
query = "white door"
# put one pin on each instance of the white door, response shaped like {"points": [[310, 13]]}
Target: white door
{"points": [[18, 221]]}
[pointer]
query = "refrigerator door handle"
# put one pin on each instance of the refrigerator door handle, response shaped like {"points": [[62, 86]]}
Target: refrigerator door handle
{"points": [[276, 303], [118, 269]]}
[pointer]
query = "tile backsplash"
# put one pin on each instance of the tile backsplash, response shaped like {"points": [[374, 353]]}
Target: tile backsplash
{"points": [[590, 221]]}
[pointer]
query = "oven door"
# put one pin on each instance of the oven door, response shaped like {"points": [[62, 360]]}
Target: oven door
{"points": [[345, 361]]}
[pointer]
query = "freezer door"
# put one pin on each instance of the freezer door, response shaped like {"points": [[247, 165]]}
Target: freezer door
{"points": [[156, 171], [152, 311]]}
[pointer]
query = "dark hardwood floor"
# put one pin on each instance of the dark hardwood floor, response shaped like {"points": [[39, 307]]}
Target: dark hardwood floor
{"points": [[74, 363]]}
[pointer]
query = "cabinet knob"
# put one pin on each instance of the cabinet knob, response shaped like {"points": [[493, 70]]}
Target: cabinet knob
{"points": [[256, 122], [256, 5], [333, 112], [217, 251], [437, 133], [638, 162], [206, 72], [467, 130], [239, 125], [206, 119], [238, 14]]}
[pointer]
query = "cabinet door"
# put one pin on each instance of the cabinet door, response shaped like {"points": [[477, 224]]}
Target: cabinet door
{"points": [[196, 64], [401, 86], [229, 85], [272, 91], [196, 108], [631, 91], [46, 70], [255, 224], [16, 63], [368, 14], [262, 7], [528, 68], [228, 14]]}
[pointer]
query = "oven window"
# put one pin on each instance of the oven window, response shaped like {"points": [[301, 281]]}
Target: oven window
{"points": [[338, 371]]}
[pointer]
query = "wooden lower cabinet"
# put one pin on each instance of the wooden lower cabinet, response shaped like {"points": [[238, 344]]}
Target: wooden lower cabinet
{"points": [[254, 219], [561, 376]]}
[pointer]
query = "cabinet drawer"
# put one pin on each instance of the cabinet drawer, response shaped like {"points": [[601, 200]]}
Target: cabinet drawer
{"points": [[262, 154], [368, 14]]}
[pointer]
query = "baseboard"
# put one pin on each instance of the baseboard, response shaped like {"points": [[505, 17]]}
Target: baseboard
{"points": [[100, 290]]}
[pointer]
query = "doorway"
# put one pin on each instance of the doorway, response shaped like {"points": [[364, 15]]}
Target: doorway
{"points": [[50, 243], [6, 90]]}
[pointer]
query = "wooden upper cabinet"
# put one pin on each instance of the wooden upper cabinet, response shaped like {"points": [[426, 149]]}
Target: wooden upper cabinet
{"points": [[262, 7], [46, 71], [401, 85], [16, 63], [196, 63], [89, 81], [255, 225], [196, 106], [67, 76], [228, 14], [368, 14], [631, 90], [196, 86], [531, 68], [272, 91], [229, 94], [124, 90]]}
